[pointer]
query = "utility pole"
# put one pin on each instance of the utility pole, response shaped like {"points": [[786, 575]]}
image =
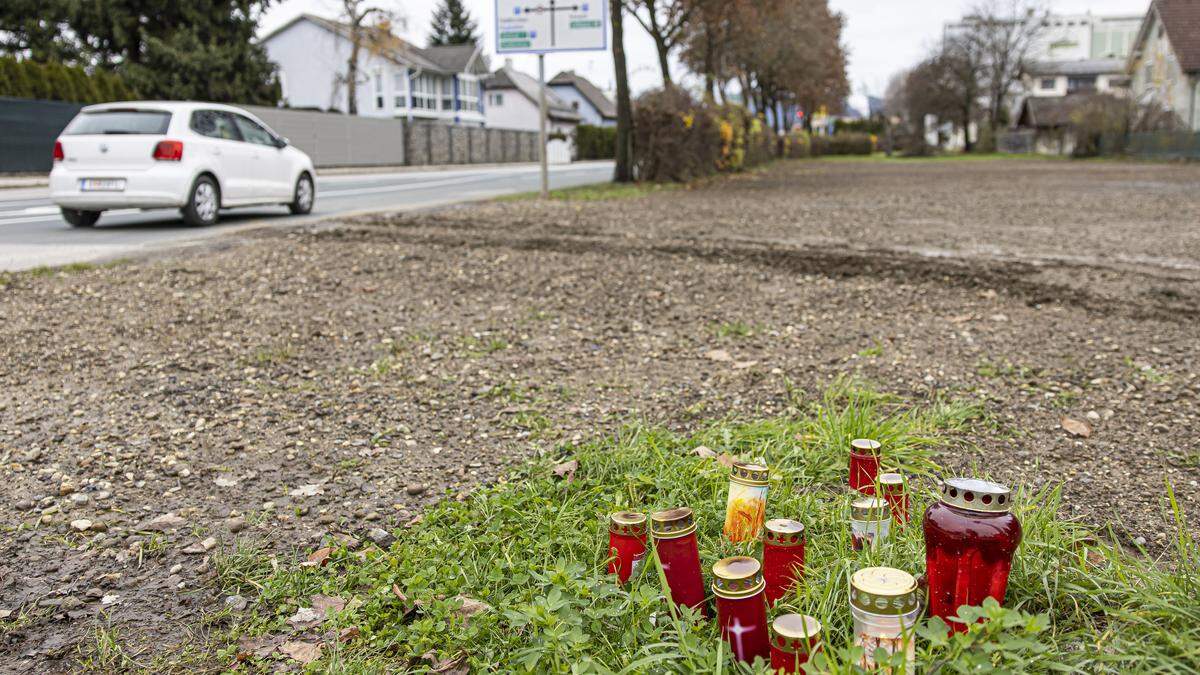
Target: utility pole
{"points": [[542, 124]]}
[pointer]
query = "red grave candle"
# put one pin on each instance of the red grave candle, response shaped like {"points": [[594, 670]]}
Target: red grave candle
{"points": [[895, 492], [783, 556], [626, 543], [864, 465], [742, 607], [970, 539], [795, 638], [674, 533]]}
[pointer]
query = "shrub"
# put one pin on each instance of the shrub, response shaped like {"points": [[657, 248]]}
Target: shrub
{"points": [[675, 138], [59, 82], [592, 142], [842, 144]]}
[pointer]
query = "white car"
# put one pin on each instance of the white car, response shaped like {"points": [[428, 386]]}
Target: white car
{"points": [[197, 157]]}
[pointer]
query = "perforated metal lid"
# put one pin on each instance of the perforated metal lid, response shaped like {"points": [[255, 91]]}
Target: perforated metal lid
{"points": [[884, 590], [977, 495], [870, 508], [630, 523], [865, 446], [672, 523], [737, 577], [794, 632], [750, 474], [784, 532]]}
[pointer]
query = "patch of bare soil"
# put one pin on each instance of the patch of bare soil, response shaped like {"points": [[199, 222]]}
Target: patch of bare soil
{"points": [[304, 385]]}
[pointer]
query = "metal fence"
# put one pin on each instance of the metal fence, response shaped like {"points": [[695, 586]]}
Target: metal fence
{"points": [[1153, 145], [1017, 142], [28, 129]]}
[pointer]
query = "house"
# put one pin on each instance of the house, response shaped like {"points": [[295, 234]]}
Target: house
{"points": [[1165, 60], [1049, 121], [594, 107], [513, 103], [395, 79], [1045, 79]]}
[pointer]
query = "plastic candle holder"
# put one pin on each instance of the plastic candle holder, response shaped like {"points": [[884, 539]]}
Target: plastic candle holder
{"points": [[674, 534], [783, 556], [742, 607], [795, 638], [627, 531]]}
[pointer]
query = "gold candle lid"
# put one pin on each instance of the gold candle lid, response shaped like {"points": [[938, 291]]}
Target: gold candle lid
{"points": [[672, 523], [628, 523], [884, 590], [737, 577], [869, 508], [977, 495], [793, 633], [784, 532], [749, 474], [865, 446]]}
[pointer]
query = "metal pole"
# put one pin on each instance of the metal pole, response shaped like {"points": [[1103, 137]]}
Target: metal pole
{"points": [[542, 124]]}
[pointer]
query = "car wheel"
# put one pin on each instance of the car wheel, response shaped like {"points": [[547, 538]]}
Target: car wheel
{"points": [[77, 218], [303, 196], [204, 201]]}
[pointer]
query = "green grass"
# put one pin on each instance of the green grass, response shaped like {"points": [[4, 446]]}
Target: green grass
{"points": [[598, 192], [533, 549], [947, 157]]}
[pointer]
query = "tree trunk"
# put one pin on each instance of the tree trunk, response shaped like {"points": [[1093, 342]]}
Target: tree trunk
{"points": [[352, 74], [664, 63], [968, 144], [623, 172]]}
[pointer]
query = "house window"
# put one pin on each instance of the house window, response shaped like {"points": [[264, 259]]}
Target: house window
{"points": [[468, 95], [400, 88], [447, 93], [496, 99], [377, 81], [425, 92], [1084, 83], [1048, 83]]}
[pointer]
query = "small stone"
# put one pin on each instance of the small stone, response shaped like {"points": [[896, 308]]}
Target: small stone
{"points": [[25, 505], [236, 525], [79, 498], [1093, 415], [166, 521], [99, 526], [65, 489], [176, 569], [201, 546], [1140, 541], [415, 489], [70, 602], [81, 525], [235, 603], [381, 537]]}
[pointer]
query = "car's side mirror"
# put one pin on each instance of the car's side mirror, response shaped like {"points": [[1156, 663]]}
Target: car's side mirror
{"points": [[281, 142]]}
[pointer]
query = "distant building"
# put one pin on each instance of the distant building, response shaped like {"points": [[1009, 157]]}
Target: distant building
{"points": [[1165, 59], [1080, 54], [513, 103], [1060, 78], [593, 106], [395, 78]]}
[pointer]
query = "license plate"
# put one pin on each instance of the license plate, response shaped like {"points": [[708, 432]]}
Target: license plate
{"points": [[102, 184]]}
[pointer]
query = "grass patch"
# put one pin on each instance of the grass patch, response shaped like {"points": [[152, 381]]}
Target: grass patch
{"points": [[597, 192], [733, 329], [533, 549]]}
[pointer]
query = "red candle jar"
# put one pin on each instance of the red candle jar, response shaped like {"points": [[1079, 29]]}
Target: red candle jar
{"points": [[970, 539], [742, 607], [783, 556], [674, 533], [892, 487], [795, 638], [626, 543], [864, 465], [746, 507]]}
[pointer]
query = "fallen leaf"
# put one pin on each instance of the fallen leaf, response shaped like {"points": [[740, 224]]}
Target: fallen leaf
{"points": [[328, 604], [703, 451], [348, 634], [416, 520], [962, 318], [5, 613], [305, 617], [726, 460], [260, 647], [470, 606], [453, 665], [567, 470], [318, 558], [718, 355], [307, 491], [1076, 428], [1096, 559], [304, 652], [399, 594]]}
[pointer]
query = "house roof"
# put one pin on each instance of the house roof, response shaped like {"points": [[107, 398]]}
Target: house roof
{"points": [[1047, 112], [511, 78], [1079, 67], [444, 59], [1181, 19], [589, 91]]}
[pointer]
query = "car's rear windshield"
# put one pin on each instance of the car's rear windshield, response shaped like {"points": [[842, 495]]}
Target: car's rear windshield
{"points": [[119, 122]]}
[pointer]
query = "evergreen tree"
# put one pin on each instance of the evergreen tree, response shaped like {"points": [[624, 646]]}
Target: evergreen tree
{"points": [[19, 85], [39, 80], [452, 25]]}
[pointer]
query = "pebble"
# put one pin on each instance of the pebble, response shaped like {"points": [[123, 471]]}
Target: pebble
{"points": [[81, 525], [381, 537], [1140, 541], [236, 525], [235, 603], [79, 498], [415, 489], [25, 505]]}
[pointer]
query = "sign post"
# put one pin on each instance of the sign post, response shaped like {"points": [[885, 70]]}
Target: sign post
{"points": [[544, 26]]}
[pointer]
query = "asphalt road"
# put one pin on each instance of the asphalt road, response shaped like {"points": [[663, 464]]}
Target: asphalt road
{"points": [[32, 233]]}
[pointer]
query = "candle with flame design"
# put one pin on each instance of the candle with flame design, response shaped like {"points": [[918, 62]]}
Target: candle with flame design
{"points": [[742, 607], [747, 505]]}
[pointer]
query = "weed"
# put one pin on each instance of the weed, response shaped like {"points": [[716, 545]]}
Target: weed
{"points": [[268, 356], [728, 329], [874, 351]]}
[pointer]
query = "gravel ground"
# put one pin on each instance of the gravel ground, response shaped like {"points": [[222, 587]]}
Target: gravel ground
{"points": [[287, 386]]}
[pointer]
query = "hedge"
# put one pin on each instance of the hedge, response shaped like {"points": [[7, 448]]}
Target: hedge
{"points": [[592, 142], [59, 82]]}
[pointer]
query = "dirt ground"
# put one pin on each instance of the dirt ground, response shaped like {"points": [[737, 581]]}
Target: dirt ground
{"points": [[287, 386]]}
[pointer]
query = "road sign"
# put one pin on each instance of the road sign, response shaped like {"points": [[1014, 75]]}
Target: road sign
{"points": [[542, 26]]}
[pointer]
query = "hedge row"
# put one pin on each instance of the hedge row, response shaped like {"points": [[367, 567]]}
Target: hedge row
{"points": [[58, 82], [592, 142]]}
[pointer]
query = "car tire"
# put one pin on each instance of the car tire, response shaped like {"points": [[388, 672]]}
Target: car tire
{"points": [[203, 204], [303, 195], [77, 218]]}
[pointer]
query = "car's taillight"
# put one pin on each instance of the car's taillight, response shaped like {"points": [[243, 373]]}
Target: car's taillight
{"points": [[168, 151], [58, 151]]}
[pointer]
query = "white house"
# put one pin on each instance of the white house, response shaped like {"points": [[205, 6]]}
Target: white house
{"points": [[395, 79], [512, 103], [593, 106], [1087, 76], [1165, 60]]}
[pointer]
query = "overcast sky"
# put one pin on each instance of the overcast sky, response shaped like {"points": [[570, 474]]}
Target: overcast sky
{"points": [[882, 37]]}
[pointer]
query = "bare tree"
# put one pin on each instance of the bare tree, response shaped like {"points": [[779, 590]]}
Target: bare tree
{"points": [[665, 21], [355, 14], [622, 173], [1004, 32]]}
